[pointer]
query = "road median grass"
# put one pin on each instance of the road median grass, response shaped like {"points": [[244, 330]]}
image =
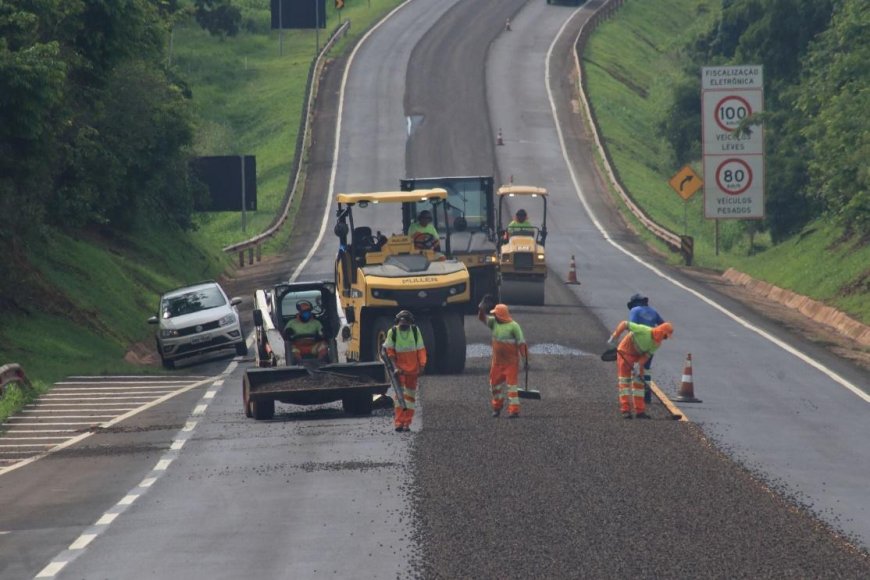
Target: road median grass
{"points": [[93, 291]]}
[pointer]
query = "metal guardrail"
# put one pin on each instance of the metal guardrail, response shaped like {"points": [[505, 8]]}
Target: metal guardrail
{"points": [[604, 12], [254, 243], [12, 373]]}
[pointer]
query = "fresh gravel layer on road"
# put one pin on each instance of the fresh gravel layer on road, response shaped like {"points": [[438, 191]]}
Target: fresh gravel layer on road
{"points": [[572, 490]]}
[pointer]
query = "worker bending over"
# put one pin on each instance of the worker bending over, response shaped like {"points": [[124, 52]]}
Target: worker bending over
{"points": [[637, 346]]}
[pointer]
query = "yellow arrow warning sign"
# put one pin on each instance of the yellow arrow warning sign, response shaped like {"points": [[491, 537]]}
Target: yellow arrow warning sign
{"points": [[686, 182]]}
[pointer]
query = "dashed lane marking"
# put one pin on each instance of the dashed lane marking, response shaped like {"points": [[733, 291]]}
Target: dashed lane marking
{"points": [[79, 546]]}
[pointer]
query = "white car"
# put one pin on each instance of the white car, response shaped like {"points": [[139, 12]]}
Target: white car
{"points": [[197, 319]]}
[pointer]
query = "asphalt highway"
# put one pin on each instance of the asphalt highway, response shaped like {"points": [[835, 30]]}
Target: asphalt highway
{"points": [[767, 480]]}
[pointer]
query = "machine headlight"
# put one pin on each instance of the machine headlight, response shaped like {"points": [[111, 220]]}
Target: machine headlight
{"points": [[168, 333], [227, 320], [376, 293], [540, 256], [354, 293]]}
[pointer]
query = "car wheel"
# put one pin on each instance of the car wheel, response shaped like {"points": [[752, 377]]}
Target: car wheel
{"points": [[242, 348], [167, 363]]}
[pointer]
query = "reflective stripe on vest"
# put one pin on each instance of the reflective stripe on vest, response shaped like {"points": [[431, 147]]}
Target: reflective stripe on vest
{"points": [[404, 340]]}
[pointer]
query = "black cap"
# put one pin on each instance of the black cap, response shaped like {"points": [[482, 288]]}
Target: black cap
{"points": [[637, 300], [406, 316]]}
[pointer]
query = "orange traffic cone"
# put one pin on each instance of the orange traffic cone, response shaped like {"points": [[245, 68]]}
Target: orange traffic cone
{"points": [[572, 273], [498, 139], [687, 387]]}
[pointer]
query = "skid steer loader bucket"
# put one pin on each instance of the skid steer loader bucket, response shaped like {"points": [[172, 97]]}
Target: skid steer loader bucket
{"points": [[354, 384]]}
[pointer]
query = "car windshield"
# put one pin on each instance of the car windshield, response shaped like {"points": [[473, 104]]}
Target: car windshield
{"points": [[190, 302]]}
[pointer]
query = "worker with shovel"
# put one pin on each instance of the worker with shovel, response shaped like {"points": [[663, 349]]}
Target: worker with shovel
{"points": [[637, 346], [508, 344], [407, 353]]}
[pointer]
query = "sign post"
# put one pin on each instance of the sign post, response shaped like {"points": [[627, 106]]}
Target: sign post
{"points": [[733, 154], [686, 182]]}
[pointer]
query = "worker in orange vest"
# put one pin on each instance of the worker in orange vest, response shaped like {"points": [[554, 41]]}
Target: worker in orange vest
{"points": [[404, 346], [508, 345], [637, 346]]}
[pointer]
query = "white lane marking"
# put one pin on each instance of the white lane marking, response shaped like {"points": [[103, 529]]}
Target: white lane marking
{"points": [[741, 321], [14, 430], [208, 395], [218, 383], [106, 519], [70, 404], [122, 386], [51, 570], [25, 445], [94, 392], [82, 542], [9, 437], [51, 422], [163, 465], [101, 397], [199, 410], [116, 420], [159, 469], [66, 416], [123, 377]]}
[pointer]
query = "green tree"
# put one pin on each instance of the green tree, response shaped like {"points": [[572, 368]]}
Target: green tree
{"points": [[219, 17], [835, 98]]}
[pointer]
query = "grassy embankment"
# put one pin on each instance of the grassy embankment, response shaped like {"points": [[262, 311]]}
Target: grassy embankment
{"points": [[93, 294], [631, 61]]}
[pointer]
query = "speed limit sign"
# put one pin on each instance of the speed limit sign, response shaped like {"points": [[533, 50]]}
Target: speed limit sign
{"points": [[724, 111], [734, 187]]}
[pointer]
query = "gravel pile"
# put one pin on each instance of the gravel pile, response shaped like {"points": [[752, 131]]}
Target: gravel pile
{"points": [[572, 490]]}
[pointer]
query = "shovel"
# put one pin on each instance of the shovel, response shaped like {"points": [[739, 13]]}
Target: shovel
{"points": [[525, 392]]}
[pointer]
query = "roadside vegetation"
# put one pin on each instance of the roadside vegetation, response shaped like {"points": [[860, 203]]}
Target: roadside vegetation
{"points": [[97, 132], [104, 209], [643, 70]]}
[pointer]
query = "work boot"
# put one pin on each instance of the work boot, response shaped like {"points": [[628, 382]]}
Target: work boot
{"points": [[643, 415], [406, 428], [399, 429], [513, 415], [496, 412], [626, 415]]}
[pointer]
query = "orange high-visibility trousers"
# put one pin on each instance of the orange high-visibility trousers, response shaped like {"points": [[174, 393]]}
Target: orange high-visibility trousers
{"points": [[403, 417], [498, 375], [307, 348], [630, 386]]}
